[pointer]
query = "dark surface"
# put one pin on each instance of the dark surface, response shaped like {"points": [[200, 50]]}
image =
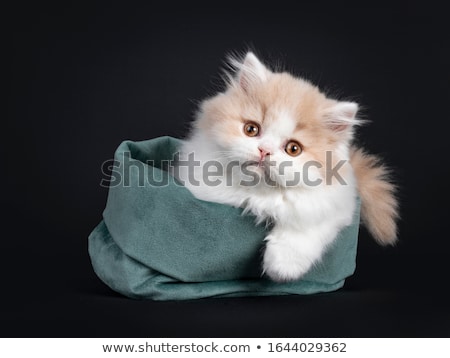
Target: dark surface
{"points": [[85, 78]]}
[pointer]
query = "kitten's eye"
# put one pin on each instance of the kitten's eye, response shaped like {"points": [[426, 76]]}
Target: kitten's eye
{"points": [[251, 129], [293, 148]]}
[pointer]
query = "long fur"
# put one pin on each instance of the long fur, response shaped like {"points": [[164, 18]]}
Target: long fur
{"points": [[379, 206], [306, 217]]}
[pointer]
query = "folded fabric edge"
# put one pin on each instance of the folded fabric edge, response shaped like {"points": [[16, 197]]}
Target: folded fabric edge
{"points": [[132, 279]]}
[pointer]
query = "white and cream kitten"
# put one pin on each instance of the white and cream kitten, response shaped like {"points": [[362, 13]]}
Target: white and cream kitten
{"points": [[276, 146]]}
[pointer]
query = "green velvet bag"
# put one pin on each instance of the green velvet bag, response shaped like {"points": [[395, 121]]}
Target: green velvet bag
{"points": [[157, 241]]}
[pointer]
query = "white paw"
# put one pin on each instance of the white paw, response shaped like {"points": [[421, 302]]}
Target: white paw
{"points": [[283, 263]]}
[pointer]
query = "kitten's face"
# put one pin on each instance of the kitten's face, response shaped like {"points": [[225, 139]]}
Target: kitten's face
{"points": [[282, 124]]}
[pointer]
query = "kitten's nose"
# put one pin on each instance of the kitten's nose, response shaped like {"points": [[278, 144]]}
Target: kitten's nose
{"points": [[263, 153]]}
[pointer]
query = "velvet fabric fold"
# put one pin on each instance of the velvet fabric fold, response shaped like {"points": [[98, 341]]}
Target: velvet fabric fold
{"points": [[157, 241]]}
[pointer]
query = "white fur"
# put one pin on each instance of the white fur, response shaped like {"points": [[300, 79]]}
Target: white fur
{"points": [[251, 70], [306, 219]]}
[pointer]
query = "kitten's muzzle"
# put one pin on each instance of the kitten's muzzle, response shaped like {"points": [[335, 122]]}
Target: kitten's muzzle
{"points": [[263, 153]]}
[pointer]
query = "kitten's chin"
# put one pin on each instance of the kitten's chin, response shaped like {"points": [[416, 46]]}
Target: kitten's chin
{"points": [[257, 168], [265, 173]]}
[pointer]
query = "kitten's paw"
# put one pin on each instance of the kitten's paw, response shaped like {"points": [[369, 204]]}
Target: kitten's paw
{"points": [[281, 263]]}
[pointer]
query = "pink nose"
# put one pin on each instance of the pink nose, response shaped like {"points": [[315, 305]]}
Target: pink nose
{"points": [[263, 153]]}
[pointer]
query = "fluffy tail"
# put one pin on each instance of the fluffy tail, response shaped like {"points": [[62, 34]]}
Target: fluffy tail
{"points": [[379, 207]]}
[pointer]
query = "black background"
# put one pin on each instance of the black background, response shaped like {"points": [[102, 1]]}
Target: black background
{"points": [[84, 78]]}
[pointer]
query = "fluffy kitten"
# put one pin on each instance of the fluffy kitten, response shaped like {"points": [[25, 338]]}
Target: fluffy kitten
{"points": [[282, 150]]}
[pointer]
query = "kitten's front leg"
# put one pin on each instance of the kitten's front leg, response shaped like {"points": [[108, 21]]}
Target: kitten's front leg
{"points": [[290, 253]]}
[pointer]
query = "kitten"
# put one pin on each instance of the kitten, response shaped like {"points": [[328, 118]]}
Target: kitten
{"points": [[276, 146]]}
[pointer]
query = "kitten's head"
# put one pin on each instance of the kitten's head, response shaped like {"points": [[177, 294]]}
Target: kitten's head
{"points": [[265, 116]]}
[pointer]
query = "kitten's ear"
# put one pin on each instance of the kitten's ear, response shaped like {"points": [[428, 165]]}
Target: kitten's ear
{"points": [[251, 72], [341, 118]]}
